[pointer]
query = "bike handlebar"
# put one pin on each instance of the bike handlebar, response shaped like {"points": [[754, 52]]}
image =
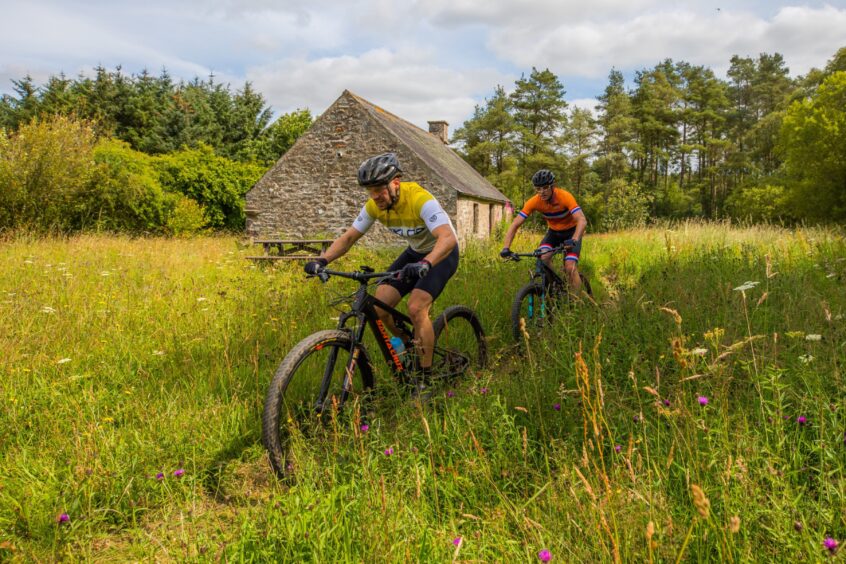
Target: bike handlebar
{"points": [[539, 252], [362, 276]]}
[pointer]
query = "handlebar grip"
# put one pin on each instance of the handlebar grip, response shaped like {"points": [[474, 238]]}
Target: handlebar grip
{"points": [[324, 276]]}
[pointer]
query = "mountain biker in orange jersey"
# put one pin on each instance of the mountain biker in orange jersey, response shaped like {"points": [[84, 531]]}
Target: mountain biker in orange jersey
{"points": [[430, 260], [564, 218]]}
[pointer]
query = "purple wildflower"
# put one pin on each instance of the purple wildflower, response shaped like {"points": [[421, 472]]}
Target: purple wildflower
{"points": [[618, 448], [544, 555], [160, 476], [389, 451], [666, 403], [636, 418], [178, 472], [483, 391], [703, 400], [365, 428], [62, 518], [801, 419], [830, 544], [557, 407], [450, 394], [456, 541]]}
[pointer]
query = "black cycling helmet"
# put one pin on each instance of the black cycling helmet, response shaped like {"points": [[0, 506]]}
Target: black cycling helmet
{"points": [[380, 169], [543, 177]]}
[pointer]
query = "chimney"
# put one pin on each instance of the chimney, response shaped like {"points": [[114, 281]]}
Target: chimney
{"points": [[439, 130]]}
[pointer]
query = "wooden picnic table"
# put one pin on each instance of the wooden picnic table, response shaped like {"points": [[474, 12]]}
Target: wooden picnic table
{"points": [[291, 249]]}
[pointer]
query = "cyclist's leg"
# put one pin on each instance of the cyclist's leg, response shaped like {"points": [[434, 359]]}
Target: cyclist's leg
{"points": [[392, 291], [571, 267], [420, 304], [548, 242], [391, 296]]}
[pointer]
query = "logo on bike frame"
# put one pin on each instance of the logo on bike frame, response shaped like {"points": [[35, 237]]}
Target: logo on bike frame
{"points": [[394, 356]]}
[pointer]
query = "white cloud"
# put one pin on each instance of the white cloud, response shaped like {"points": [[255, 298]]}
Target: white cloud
{"points": [[407, 83], [530, 16], [805, 36], [584, 103]]}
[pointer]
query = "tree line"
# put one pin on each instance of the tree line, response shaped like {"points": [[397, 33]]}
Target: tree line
{"points": [[680, 142], [146, 153], [137, 153]]}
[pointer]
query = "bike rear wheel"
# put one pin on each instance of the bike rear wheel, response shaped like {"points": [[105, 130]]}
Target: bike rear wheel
{"points": [[460, 343], [307, 391]]}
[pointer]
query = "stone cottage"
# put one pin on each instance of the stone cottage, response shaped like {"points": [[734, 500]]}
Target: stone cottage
{"points": [[312, 190]]}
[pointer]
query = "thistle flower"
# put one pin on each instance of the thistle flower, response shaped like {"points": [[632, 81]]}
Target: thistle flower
{"points": [[389, 451], [544, 555], [178, 472], [365, 427], [450, 394], [456, 541], [483, 391], [801, 419], [618, 448], [160, 476], [830, 544], [703, 400], [557, 407], [666, 403], [64, 518]]}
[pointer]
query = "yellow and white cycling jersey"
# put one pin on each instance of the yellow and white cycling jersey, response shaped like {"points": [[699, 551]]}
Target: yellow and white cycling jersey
{"points": [[413, 217]]}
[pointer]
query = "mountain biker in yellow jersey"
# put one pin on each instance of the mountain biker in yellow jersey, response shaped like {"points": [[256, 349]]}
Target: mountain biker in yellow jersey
{"points": [[564, 218], [430, 260]]}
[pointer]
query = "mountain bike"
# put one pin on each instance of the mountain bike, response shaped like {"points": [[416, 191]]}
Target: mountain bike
{"points": [[536, 302], [327, 369]]}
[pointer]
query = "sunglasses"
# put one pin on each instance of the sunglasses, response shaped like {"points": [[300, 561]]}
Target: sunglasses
{"points": [[542, 188]]}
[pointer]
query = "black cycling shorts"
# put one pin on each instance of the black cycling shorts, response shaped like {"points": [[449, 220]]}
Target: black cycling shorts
{"points": [[434, 282], [555, 238]]}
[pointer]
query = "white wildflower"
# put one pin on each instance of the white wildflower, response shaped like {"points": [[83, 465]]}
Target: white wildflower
{"points": [[47, 309], [813, 337], [831, 275], [63, 360], [699, 351], [28, 262], [748, 285], [806, 358], [158, 353], [105, 273], [201, 299]]}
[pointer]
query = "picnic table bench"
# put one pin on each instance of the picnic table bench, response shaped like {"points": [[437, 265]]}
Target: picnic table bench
{"points": [[290, 249]]}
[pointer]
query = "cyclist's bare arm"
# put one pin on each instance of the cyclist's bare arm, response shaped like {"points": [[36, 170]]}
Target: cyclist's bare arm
{"points": [[512, 230], [581, 225], [342, 244], [444, 245]]}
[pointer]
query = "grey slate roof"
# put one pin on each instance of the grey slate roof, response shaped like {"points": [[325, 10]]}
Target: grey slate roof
{"points": [[442, 160]]}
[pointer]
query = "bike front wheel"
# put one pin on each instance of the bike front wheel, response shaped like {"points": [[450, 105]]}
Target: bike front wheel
{"points": [[309, 389], [531, 311], [460, 342]]}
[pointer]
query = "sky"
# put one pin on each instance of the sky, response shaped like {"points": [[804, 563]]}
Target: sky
{"points": [[420, 59]]}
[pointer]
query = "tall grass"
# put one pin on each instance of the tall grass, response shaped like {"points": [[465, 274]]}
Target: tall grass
{"points": [[134, 371]]}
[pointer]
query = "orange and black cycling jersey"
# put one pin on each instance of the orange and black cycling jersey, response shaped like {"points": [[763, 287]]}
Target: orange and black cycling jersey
{"points": [[558, 211]]}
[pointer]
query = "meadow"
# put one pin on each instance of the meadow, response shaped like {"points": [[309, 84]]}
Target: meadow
{"points": [[694, 412]]}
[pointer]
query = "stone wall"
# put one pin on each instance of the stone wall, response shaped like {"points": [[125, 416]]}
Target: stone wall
{"points": [[476, 219], [312, 189]]}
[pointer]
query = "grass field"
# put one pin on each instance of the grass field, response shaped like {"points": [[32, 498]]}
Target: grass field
{"points": [[695, 412]]}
